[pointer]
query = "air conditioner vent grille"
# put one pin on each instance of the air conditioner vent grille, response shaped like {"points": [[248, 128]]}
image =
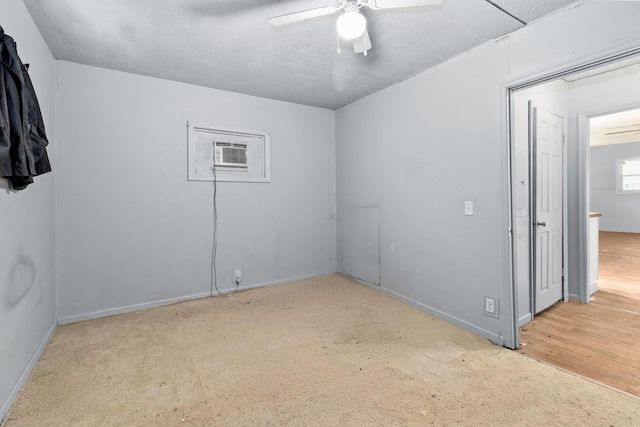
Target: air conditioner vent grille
{"points": [[230, 154]]}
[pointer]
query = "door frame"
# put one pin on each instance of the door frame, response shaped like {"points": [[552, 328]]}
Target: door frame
{"points": [[507, 88]]}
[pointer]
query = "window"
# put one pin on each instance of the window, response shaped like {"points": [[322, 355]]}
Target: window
{"points": [[628, 175]]}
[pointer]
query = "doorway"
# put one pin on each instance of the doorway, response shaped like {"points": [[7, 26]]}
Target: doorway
{"points": [[583, 338], [540, 244], [614, 189], [580, 95]]}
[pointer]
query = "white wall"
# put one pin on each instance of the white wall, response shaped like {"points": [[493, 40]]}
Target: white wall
{"points": [[27, 229], [445, 125], [621, 212], [134, 232], [416, 152]]}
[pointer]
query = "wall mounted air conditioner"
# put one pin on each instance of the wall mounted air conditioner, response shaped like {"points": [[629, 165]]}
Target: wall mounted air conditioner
{"points": [[223, 154], [230, 154]]}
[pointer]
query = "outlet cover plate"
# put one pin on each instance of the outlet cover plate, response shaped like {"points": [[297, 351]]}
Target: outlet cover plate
{"points": [[491, 307]]}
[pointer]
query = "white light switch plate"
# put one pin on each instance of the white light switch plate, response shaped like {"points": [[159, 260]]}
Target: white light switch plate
{"points": [[468, 207]]}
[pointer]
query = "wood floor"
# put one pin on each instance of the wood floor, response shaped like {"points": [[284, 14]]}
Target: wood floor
{"points": [[600, 340]]}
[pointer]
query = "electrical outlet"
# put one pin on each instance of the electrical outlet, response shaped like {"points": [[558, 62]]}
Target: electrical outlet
{"points": [[237, 276], [491, 307]]}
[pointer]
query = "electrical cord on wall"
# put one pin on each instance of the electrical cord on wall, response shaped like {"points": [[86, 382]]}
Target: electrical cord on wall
{"points": [[214, 246]]}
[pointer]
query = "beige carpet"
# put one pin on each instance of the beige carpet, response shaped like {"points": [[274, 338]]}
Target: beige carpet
{"points": [[322, 352]]}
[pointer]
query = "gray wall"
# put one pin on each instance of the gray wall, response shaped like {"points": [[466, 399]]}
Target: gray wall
{"points": [[133, 232], [622, 212], [418, 150], [27, 229]]}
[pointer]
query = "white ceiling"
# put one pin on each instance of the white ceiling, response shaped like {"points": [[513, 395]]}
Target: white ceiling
{"points": [[617, 128], [229, 44]]}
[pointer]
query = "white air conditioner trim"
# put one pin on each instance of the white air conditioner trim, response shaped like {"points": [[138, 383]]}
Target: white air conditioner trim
{"points": [[202, 140]]}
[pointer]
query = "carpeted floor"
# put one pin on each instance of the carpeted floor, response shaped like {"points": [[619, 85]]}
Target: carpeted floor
{"points": [[321, 352]]}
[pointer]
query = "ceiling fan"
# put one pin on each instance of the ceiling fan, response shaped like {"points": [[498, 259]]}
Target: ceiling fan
{"points": [[352, 25]]}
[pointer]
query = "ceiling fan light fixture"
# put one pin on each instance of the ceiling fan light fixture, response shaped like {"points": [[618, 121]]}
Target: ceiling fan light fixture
{"points": [[351, 24]]}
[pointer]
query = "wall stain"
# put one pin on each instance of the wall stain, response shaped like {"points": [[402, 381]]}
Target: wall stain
{"points": [[22, 277]]}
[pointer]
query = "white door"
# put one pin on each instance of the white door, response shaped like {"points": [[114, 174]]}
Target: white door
{"points": [[548, 138]]}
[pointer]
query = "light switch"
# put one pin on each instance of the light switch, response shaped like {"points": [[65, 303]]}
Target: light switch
{"points": [[468, 207]]}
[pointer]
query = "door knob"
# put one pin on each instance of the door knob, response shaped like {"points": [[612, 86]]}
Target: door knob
{"points": [[540, 224]]}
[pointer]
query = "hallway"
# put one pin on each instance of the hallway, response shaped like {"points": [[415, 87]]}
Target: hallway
{"points": [[599, 340]]}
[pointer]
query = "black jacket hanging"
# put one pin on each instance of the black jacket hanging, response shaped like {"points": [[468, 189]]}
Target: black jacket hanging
{"points": [[23, 139]]}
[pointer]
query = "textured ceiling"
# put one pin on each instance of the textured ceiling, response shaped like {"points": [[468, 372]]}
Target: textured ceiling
{"points": [[229, 44], [528, 10]]}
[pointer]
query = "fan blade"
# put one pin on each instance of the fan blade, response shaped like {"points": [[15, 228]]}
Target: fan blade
{"points": [[290, 18], [362, 44], [390, 4]]}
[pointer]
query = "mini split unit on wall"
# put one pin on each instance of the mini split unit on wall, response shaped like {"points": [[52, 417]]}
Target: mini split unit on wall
{"points": [[223, 154]]}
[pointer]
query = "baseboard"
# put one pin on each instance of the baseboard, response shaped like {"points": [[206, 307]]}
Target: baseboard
{"points": [[159, 303], [6, 405], [128, 308], [523, 320], [277, 282], [495, 338], [376, 286]]}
